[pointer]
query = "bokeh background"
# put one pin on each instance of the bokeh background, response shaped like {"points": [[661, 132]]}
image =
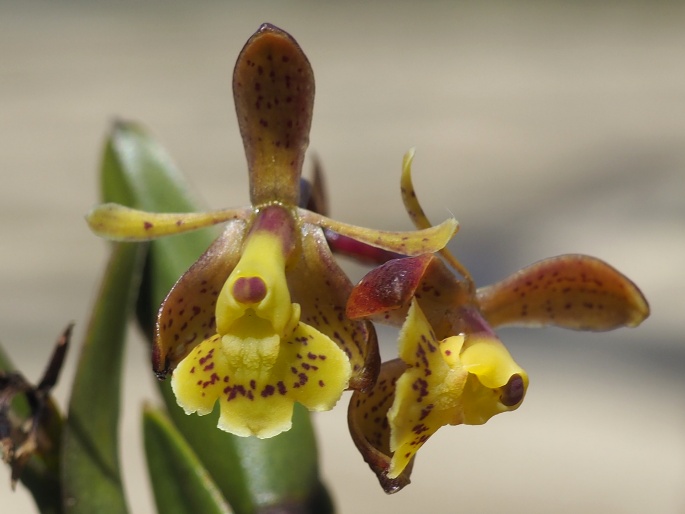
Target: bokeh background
{"points": [[545, 127]]}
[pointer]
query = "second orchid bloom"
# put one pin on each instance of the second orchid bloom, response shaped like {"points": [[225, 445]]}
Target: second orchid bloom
{"points": [[453, 369]]}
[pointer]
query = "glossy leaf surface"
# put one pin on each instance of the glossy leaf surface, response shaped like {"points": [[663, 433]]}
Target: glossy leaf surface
{"points": [[90, 450], [180, 482]]}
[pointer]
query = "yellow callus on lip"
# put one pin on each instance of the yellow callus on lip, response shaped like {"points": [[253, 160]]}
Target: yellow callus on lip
{"points": [[257, 289]]}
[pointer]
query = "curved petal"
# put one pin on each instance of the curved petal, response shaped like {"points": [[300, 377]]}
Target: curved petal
{"points": [[570, 291], [321, 288], [411, 243], [496, 383], [187, 315], [418, 216], [273, 89], [369, 428], [385, 293], [411, 202], [120, 223]]}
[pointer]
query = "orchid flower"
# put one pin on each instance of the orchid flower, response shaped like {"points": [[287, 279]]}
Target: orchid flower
{"points": [[453, 369], [258, 322]]}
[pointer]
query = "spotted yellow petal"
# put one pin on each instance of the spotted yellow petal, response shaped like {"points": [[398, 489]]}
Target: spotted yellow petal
{"points": [[273, 89], [316, 370], [571, 291], [121, 223], [321, 288], [200, 378], [187, 315], [249, 406], [257, 379], [410, 243], [428, 394]]}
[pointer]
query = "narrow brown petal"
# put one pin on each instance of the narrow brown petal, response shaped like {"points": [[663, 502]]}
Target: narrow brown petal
{"points": [[273, 89], [321, 288], [187, 315], [572, 291], [369, 428]]}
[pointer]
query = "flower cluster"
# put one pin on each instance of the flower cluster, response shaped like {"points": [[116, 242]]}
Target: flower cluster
{"points": [[266, 318]]}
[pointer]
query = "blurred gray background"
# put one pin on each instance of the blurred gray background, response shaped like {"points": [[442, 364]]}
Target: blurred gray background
{"points": [[545, 127]]}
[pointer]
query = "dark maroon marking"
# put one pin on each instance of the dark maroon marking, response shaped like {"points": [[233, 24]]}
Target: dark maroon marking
{"points": [[147, 225], [513, 391], [268, 391], [249, 289], [425, 412], [419, 429], [281, 388]]}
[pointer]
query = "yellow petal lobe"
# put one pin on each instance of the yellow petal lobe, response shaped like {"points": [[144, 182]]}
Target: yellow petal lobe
{"points": [[257, 381], [428, 393], [120, 223], [496, 383]]}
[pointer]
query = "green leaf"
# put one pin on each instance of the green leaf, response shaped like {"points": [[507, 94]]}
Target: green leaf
{"points": [[253, 475], [180, 483], [90, 452]]}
